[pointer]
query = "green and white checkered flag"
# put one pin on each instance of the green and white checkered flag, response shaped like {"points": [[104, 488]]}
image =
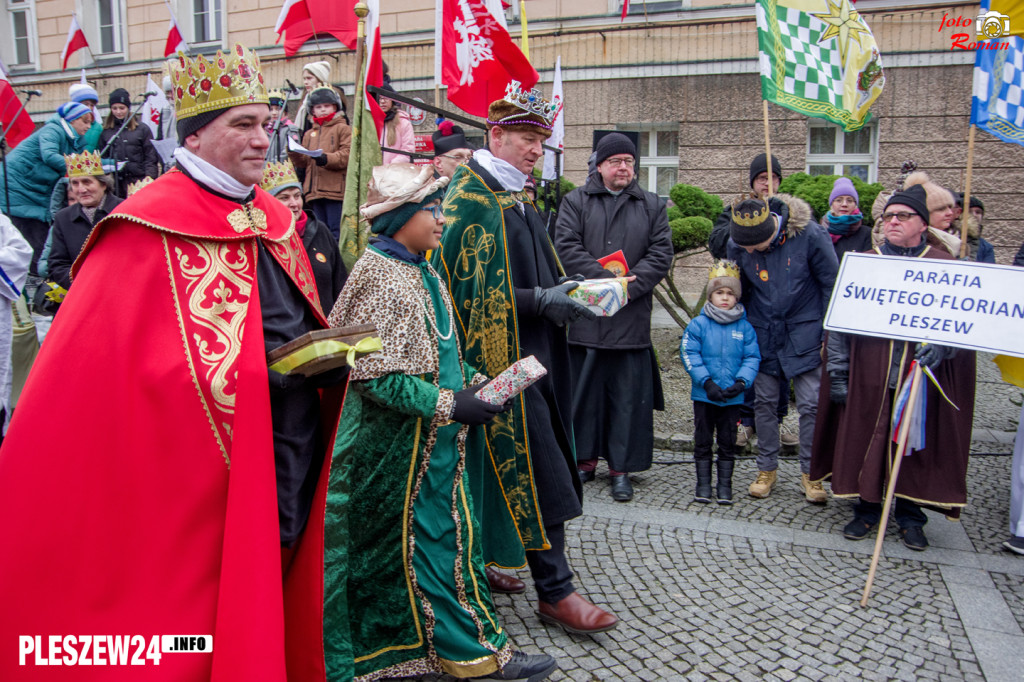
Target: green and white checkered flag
{"points": [[818, 57]]}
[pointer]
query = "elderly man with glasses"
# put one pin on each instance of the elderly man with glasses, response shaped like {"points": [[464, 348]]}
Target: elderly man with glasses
{"points": [[618, 385], [451, 149], [853, 442]]}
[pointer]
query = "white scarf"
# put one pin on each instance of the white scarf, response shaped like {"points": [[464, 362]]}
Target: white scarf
{"points": [[507, 175], [205, 172]]}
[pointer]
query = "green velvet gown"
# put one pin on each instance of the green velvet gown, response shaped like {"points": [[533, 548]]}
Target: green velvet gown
{"points": [[404, 589]]}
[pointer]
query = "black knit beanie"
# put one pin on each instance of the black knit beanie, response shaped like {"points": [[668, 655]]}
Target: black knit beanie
{"points": [[759, 165], [914, 198], [750, 222], [192, 124], [120, 96], [612, 144]]}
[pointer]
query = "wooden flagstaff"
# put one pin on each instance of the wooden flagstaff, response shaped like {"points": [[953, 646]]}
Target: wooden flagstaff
{"points": [[361, 9], [768, 151], [901, 447], [967, 193]]}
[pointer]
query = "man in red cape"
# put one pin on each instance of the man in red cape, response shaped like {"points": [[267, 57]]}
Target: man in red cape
{"points": [[157, 477]]}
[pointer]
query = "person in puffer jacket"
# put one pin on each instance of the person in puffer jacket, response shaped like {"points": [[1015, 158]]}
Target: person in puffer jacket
{"points": [[720, 352]]}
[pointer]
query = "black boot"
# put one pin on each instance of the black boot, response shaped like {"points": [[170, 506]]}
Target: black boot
{"points": [[724, 486], [703, 491]]}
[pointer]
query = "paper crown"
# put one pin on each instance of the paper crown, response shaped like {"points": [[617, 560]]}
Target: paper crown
{"points": [[277, 175], [724, 268], [81, 165], [227, 80], [138, 184], [532, 102], [749, 219], [276, 94]]}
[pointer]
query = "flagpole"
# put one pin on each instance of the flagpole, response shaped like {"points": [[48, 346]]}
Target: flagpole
{"points": [[362, 10], [967, 193], [438, 36], [915, 388], [768, 150]]}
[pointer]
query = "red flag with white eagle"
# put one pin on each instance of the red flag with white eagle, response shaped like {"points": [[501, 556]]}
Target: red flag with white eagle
{"points": [[16, 125], [175, 41], [300, 20], [478, 57], [76, 41], [374, 64]]}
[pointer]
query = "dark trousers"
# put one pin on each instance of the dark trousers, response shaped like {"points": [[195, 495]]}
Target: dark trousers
{"points": [[550, 567], [35, 233], [908, 514], [708, 418], [746, 414], [327, 211]]}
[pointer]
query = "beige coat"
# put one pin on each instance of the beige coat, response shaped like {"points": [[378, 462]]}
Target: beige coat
{"points": [[328, 181]]}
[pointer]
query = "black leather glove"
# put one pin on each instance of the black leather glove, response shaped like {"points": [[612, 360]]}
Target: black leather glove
{"points": [[737, 387], [554, 304], [714, 391], [320, 160], [471, 410], [838, 387], [930, 354]]}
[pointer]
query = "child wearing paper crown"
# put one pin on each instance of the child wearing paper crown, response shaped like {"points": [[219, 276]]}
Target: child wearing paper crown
{"points": [[721, 354]]}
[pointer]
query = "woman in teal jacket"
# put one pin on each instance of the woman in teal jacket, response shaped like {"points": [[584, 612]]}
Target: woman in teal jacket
{"points": [[35, 166]]}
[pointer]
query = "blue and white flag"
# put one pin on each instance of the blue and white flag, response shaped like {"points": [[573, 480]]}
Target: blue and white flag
{"points": [[997, 105]]}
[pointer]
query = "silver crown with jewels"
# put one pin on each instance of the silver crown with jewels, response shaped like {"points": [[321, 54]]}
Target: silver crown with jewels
{"points": [[533, 102]]}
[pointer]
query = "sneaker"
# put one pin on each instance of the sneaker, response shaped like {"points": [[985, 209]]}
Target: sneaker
{"points": [[743, 435], [813, 490], [762, 487], [1015, 544], [914, 538], [529, 667], [858, 529], [787, 437]]}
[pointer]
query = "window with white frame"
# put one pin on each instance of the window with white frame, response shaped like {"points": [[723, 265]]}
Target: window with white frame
{"points": [[659, 160], [650, 7], [831, 151], [206, 21], [109, 27], [21, 50]]}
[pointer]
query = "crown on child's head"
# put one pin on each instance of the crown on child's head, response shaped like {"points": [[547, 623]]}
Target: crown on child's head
{"points": [[724, 268]]}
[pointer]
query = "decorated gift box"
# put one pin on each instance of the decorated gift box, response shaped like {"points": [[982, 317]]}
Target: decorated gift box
{"points": [[604, 296], [512, 381]]}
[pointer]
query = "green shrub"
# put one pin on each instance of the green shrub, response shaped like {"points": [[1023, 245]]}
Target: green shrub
{"points": [[690, 233], [674, 213], [693, 201], [814, 189], [542, 194]]}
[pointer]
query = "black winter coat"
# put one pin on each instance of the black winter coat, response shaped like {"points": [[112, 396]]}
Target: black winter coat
{"points": [[325, 259], [855, 242], [68, 234], [786, 290], [593, 223], [133, 147]]}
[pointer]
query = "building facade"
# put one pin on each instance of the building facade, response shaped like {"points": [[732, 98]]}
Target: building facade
{"points": [[681, 72]]}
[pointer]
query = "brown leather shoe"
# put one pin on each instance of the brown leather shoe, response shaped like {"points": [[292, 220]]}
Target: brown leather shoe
{"points": [[576, 614], [506, 584]]}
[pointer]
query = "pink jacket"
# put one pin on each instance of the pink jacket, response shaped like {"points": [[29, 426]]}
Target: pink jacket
{"points": [[404, 139]]}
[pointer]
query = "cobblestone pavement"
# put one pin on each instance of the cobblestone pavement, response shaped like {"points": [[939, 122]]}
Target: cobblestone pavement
{"points": [[769, 589]]}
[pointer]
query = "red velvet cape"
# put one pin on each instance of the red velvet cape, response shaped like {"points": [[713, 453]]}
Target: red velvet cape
{"points": [[137, 479]]}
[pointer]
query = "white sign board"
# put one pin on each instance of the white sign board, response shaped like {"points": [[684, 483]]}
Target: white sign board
{"points": [[949, 302]]}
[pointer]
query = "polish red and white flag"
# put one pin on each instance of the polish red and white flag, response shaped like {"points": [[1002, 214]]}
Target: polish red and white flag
{"points": [[16, 123], [175, 41], [292, 13], [374, 64], [478, 58], [76, 41]]}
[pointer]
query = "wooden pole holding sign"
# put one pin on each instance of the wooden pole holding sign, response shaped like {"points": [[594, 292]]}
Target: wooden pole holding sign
{"points": [[915, 388], [768, 151], [967, 193]]}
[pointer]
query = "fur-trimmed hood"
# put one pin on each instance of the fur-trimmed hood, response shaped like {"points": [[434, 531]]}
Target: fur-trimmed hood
{"points": [[800, 214]]}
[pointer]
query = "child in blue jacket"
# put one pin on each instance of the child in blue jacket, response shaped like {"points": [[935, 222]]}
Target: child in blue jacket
{"points": [[721, 354]]}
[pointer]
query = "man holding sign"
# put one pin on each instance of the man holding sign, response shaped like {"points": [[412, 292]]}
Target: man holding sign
{"points": [[853, 441]]}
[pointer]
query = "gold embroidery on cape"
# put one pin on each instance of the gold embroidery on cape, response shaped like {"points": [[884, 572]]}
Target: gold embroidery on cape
{"points": [[248, 218], [212, 283]]}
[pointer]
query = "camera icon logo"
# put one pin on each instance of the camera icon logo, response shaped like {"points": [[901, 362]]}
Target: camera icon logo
{"points": [[992, 24]]}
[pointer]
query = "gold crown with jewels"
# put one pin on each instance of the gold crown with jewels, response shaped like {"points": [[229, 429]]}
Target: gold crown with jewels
{"points": [[532, 102], [84, 164], [748, 219], [276, 94], [724, 268], [138, 184], [225, 80], [277, 174]]}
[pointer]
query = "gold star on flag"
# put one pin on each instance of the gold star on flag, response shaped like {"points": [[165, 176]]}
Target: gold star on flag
{"points": [[843, 23]]}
